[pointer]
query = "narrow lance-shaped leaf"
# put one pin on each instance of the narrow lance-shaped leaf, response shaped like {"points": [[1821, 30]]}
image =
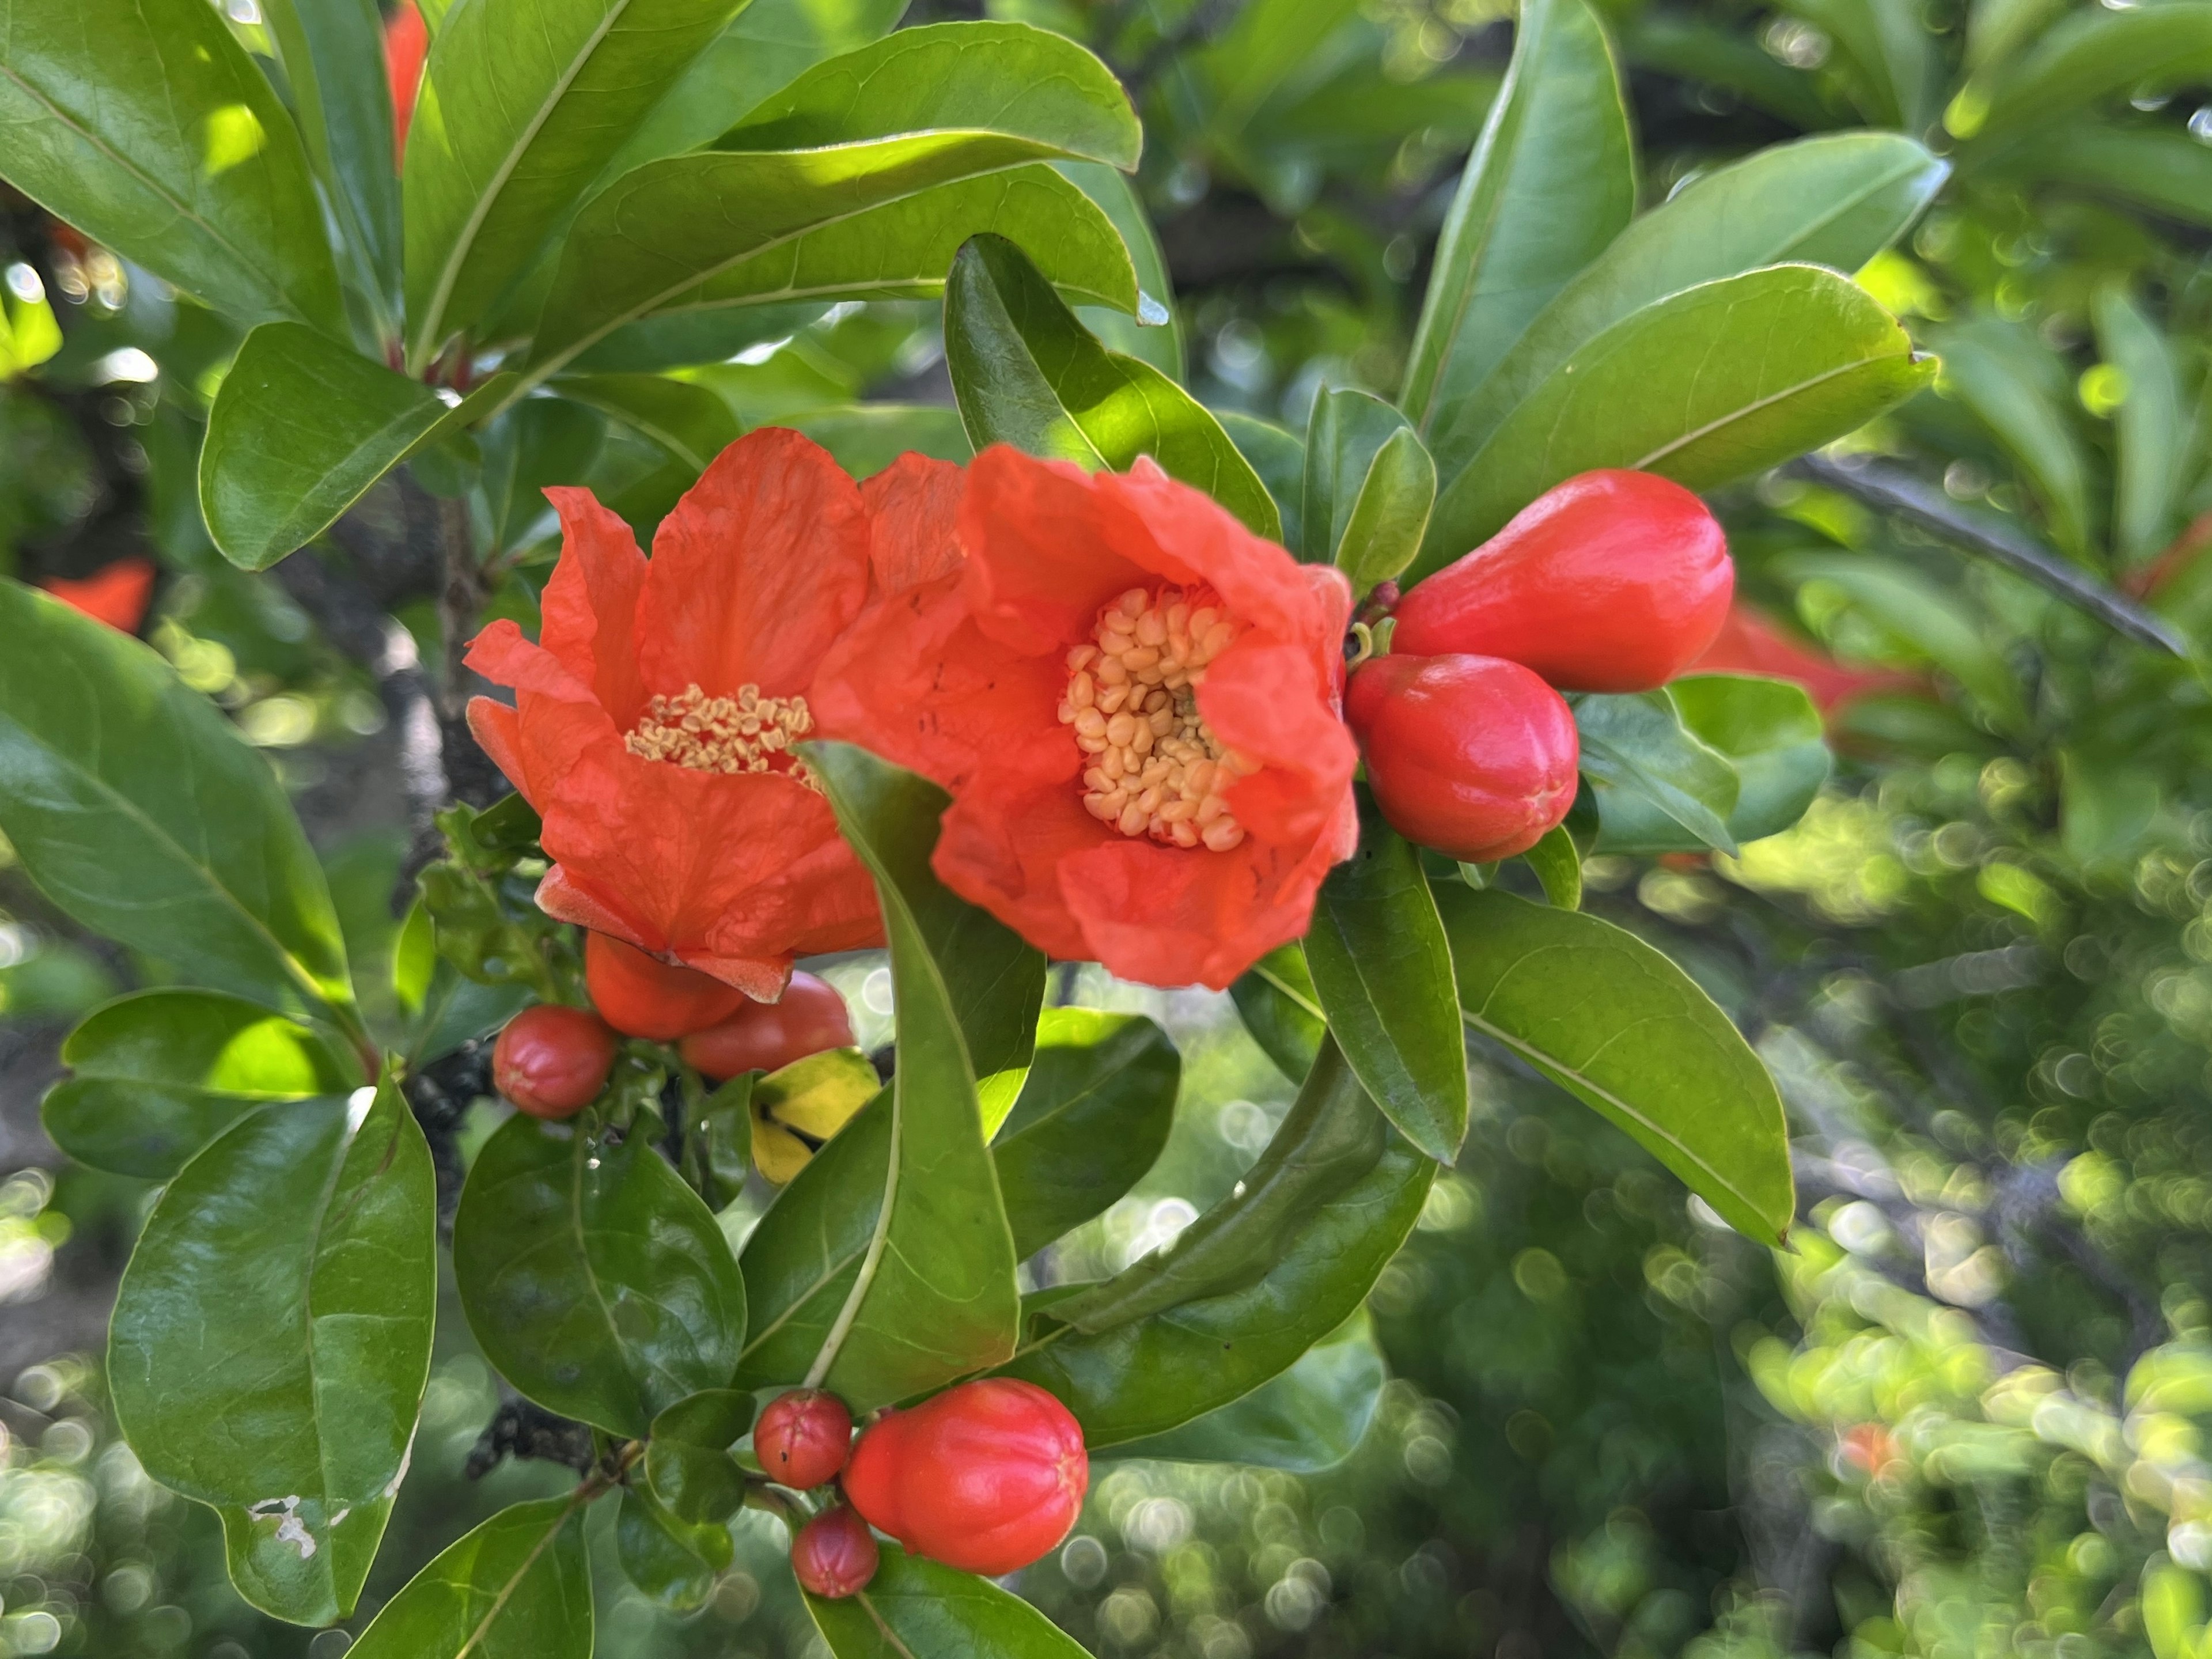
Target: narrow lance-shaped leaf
{"points": [[271, 1339], [596, 1281], [1281, 1009], [144, 124], [1705, 387], [1617, 1024], [927, 108], [935, 1296], [519, 1585], [521, 100], [1383, 967], [2094, 54], [1552, 179], [138, 810], [156, 1076], [1026, 372], [2152, 422]]}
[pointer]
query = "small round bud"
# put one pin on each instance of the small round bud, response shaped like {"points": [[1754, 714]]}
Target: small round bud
{"points": [[802, 1437], [642, 996], [766, 1037], [552, 1062], [834, 1553]]}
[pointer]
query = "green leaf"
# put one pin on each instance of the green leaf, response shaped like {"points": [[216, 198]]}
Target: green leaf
{"points": [[933, 1296], [1279, 458], [1558, 867], [1026, 372], [2022, 390], [539, 441], [2105, 802], [301, 428], [1251, 1285], [595, 1280], [916, 1608], [1834, 201], [1885, 56], [1712, 52], [1618, 1025], [1928, 620], [144, 124], [441, 1007], [332, 52], [518, 1587], [1281, 1009], [521, 101], [1769, 734], [1383, 968], [686, 425], [1636, 746], [137, 808], [1551, 181], [687, 1462], [1310, 1419], [157, 1075], [673, 1561], [1369, 484], [2160, 168], [2151, 425], [815, 159], [1707, 386], [1093, 1114], [866, 438], [271, 1339], [1154, 333], [2090, 54]]}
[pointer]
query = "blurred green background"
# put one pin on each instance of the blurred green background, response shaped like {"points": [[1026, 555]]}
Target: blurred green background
{"points": [[1960, 1416]]}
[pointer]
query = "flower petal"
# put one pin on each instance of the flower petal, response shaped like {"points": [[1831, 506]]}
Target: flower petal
{"points": [[761, 565], [914, 513], [1002, 847], [1266, 699], [590, 607], [1040, 562]]}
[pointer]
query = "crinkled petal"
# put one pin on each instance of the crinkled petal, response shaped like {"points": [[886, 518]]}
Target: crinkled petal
{"points": [[914, 513], [1003, 847], [556, 718], [1040, 562], [590, 607], [760, 567], [1265, 699]]}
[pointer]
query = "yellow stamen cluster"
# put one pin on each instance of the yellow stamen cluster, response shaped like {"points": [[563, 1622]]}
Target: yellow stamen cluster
{"points": [[745, 733], [1153, 767]]}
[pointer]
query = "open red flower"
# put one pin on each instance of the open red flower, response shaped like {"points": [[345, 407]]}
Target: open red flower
{"points": [[1133, 699], [654, 718]]}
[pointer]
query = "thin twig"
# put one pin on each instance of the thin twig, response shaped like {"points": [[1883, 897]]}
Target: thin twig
{"points": [[1892, 489]]}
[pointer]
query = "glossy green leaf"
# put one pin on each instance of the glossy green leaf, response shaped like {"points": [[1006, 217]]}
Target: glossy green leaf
{"points": [[1279, 458], [1382, 969], [1837, 201], [518, 1587], [1281, 1009], [301, 428], [859, 134], [1705, 387], [866, 438], [1251, 1285], [442, 1008], [1551, 181], [271, 1339], [1884, 55], [2022, 390], [932, 1296], [687, 1462], [144, 124], [916, 1608], [136, 808], [332, 52], [682, 427], [2094, 54], [595, 1280], [1154, 333], [1624, 1029], [1093, 1114], [2152, 425], [673, 1561], [155, 1076], [539, 441], [1770, 736], [1638, 745], [1310, 1419], [1026, 372], [1558, 867], [1369, 484], [519, 103]]}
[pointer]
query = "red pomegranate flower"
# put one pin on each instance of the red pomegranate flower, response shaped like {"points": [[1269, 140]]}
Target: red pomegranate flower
{"points": [[1134, 701], [116, 593], [654, 718]]}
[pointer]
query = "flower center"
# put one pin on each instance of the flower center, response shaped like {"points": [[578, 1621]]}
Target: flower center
{"points": [[1153, 767], [745, 733]]}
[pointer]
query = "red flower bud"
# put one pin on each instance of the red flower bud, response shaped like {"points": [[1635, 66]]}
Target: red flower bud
{"points": [[834, 1553], [642, 996], [1612, 582], [766, 1036], [802, 1437], [986, 1477], [1472, 755], [552, 1062]]}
